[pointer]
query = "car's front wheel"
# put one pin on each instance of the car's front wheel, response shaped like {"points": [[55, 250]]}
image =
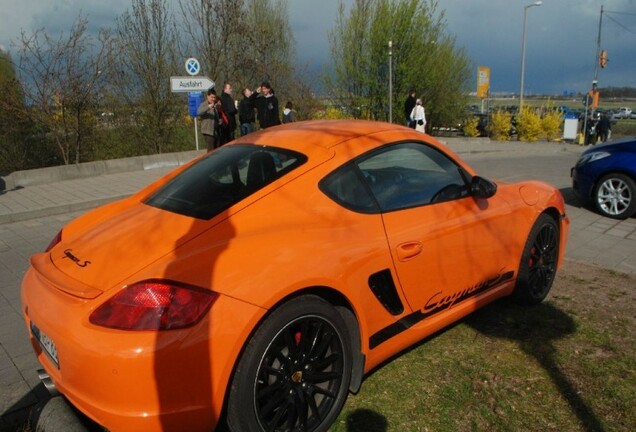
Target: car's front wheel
{"points": [[615, 196], [538, 266], [295, 371]]}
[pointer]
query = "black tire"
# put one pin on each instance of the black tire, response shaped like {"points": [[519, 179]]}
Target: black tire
{"points": [[295, 371], [614, 196], [538, 265]]}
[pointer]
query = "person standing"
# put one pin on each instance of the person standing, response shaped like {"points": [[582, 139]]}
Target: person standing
{"points": [[409, 104], [288, 113], [222, 124], [418, 116], [208, 116], [246, 112], [604, 127], [267, 106], [229, 107]]}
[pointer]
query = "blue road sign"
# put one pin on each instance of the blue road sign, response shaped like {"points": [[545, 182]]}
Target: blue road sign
{"points": [[194, 100], [192, 66]]}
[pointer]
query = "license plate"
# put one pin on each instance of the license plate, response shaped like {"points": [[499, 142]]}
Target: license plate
{"points": [[46, 343]]}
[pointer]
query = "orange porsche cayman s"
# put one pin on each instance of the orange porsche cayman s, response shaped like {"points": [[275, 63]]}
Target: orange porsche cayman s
{"points": [[255, 286]]}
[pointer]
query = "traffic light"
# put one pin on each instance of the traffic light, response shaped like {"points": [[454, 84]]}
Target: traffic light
{"points": [[602, 58]]}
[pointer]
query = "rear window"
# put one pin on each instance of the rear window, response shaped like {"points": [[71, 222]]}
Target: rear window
{"points": [[223, 178]]}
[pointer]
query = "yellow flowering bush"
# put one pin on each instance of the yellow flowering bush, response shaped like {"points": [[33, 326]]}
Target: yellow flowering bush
{"points": [[470, 127], [529, 126], [551, 124], [500, 124], [331, 113]]}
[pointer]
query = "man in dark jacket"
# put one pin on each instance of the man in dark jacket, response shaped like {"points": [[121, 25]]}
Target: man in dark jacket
{"points": [[604, 127], [246, 112], [229, 107], [267, 106]]}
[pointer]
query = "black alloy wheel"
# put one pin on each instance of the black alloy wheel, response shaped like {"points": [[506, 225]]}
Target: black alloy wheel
{"points": [[295, 371], [538, 266], [299, 377]]}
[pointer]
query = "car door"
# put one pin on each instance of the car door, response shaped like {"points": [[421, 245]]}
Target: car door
{"points": [[447, 246]]}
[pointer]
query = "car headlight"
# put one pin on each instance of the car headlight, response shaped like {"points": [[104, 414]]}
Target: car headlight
{"points": [[592, 157]]}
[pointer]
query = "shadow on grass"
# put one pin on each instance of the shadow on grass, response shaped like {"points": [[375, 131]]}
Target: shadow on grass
{"points": [[535, 329], [365, 420]]}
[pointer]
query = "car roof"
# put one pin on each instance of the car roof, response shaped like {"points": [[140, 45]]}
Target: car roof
{"points": [[318, 133]]}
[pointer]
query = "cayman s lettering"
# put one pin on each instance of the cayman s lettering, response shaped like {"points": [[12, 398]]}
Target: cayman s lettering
{"points": [[69, 254], [437, 303]]}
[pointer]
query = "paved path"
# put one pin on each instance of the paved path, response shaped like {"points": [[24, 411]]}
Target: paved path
{"points": [[30, 216]]}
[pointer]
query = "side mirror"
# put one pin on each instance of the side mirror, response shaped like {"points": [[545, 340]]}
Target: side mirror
{"points": [[482, 188]]}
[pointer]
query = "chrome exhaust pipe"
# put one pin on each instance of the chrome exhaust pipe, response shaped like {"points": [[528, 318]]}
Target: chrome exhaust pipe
{"points": [[48, 382]]}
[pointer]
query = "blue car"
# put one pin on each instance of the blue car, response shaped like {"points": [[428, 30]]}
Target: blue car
{"points": [[606, 175]]}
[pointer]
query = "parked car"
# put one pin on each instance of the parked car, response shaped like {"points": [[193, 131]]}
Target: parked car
{"points": [[606, 175], [623, 113], [260, 282]]}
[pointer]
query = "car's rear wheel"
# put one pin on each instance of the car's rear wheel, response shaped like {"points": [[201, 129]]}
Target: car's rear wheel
{"points": [[538, 262], [615, 196], [294, 373]]}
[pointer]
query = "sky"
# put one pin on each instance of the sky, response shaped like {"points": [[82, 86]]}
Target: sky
{"points": [[561, 36]]}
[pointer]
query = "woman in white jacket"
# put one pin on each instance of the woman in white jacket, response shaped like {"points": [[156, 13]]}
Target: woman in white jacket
{"points": [[419, 116]]}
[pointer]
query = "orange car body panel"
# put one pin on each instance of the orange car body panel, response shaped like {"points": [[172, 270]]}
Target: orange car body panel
{"points": [[286, 238]]}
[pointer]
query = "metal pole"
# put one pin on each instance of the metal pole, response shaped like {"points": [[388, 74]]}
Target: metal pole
{"points": [[595, 81], [196, 133], [598, 46], [390, 81], [523, 51]]}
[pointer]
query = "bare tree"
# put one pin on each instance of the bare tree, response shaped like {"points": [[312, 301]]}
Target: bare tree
{"points": [[218, 32], [243, 41], [273, 52], [145, 56], [61, 79]]}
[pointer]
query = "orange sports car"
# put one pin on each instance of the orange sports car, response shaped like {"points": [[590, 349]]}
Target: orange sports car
{"points": [[255, 286]]}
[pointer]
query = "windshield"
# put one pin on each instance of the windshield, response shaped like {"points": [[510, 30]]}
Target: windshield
{"points": [[223, 178]]}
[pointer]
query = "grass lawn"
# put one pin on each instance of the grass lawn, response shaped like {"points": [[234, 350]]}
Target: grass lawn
{"points": [[568, 364]]}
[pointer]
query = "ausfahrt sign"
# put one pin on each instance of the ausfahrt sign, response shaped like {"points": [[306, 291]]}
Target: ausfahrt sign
{"points": [[190, 84]]}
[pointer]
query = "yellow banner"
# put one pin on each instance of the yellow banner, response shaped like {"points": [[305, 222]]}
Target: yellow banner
{"points": [[483, 81]]}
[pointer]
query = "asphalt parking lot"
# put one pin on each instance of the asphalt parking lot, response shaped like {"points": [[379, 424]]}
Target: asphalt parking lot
{"points": [[31, 215]]}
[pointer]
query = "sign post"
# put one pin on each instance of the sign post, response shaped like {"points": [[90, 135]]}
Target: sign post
{"points": [[193, 85], [194, 100]]}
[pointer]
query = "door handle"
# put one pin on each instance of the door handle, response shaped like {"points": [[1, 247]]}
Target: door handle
{"points": [[408, 250]]}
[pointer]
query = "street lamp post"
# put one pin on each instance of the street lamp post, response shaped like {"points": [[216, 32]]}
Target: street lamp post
{"points": [[523, 50], [390, 81]]}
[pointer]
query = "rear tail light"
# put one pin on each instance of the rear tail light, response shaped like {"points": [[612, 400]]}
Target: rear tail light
{"points": [[55, 241], [154, 305]]}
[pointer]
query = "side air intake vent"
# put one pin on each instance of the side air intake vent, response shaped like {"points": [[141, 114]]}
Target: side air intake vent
{"points": [[382, 285]]}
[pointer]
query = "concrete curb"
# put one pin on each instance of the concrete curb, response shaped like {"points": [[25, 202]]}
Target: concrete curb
{"points": [[92, 169]]}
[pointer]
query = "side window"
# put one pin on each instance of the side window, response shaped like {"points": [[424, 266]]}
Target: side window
{"points": [[409, 174], [347, 188]]}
